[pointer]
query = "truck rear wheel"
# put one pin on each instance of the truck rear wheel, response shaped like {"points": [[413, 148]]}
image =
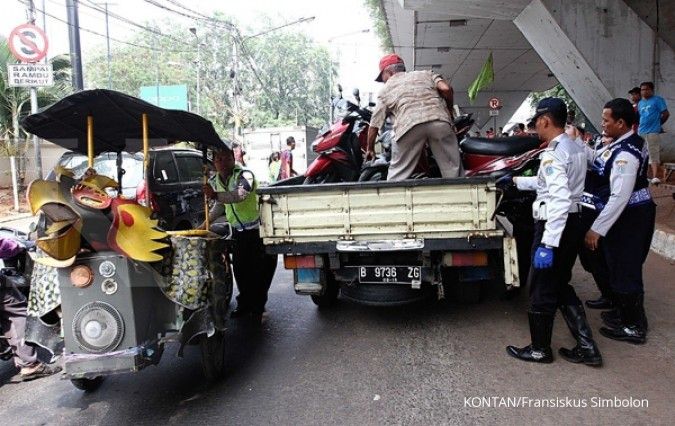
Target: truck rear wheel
{"points": [[465, 292], [87, 385], [330, 295]]}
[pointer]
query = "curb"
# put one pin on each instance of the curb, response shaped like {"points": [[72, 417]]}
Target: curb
{"points": [[663, 243], [15, 217]]}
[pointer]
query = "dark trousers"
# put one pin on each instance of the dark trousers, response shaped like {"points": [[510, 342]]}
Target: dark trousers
{"points": [[550, 288], [13, 324], [253, 270], [626, 247], [594, 261]]}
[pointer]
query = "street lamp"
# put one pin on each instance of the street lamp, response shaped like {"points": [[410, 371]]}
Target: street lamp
{"points": [[193, 30]]}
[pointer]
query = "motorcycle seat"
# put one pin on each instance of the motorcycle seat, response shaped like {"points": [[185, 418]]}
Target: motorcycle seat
{"points": [[512, 145]]}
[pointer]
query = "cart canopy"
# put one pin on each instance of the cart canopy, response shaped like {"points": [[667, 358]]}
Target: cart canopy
{"points": [[117, 123]]}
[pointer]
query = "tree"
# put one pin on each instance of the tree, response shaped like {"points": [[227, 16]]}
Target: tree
{"points": [[282, 77], [558, 91], [15, 101]]}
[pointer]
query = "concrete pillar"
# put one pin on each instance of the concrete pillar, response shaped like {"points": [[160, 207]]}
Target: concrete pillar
{"points": [[598, 50]]}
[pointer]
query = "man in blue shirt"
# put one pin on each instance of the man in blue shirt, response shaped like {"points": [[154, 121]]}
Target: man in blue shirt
{"points": [[653, 113]]}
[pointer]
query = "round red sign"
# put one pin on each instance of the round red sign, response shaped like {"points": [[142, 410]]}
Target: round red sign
{"points": [[28, 43], [495, 103]]}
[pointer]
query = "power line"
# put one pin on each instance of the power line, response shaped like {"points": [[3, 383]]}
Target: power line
{"points": [[101, 35], [193, 14], [96, 7]]}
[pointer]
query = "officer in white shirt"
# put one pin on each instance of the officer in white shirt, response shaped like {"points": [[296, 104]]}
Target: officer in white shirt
{"points": [[625, 222], [557, 237]]}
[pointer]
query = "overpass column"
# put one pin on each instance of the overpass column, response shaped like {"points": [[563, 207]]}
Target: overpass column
{"points": [[598, 50]]}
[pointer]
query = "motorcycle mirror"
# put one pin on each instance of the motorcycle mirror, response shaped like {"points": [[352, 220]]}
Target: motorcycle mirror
{"points": [[339, 88]]}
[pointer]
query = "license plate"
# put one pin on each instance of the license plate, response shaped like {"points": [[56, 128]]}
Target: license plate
{"points": [[390, 274]]}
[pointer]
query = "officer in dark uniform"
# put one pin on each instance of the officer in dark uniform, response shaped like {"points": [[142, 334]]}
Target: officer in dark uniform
{"points": [[557, 237], [625, 224], [594, 261]]}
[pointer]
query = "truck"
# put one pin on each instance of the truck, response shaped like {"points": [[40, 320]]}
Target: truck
{"points": [[389, 243]]}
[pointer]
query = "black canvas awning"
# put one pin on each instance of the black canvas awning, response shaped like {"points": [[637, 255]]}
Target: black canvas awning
{"points": [[117, 123]]}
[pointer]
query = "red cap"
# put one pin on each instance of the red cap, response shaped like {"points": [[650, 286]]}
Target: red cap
{"points": [[387, 60]]}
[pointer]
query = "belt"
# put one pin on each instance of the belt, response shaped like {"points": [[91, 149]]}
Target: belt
{"points": [[540, 212], [594, 202]]}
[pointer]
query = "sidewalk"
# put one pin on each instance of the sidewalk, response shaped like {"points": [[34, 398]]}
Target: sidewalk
{"points": [[663, 242]]}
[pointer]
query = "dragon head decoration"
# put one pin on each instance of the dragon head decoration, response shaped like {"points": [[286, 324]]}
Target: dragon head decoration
{"points": [[90, 191]]}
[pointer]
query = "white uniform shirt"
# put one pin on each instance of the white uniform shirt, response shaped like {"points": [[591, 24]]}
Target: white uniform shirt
{"points": [[559, 184], [621, 183]]}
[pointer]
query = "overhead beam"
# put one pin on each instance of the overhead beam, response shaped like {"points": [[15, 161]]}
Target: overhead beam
{"points": [[490, 9]]}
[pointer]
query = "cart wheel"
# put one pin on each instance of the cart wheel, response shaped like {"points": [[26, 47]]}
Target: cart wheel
{"points": [[213, 356], [87, 385], [330, 296]]}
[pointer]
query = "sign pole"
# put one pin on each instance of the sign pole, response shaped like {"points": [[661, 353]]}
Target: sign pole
{"points": [[36, 141]]}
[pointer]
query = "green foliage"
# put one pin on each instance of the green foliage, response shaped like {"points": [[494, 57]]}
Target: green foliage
{"points": [[282, 77], [558, 91], [15, 101], [375, 9]]}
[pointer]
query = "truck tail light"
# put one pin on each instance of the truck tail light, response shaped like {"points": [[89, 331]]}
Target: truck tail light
{"points": [[465, 258], [302, 262]]}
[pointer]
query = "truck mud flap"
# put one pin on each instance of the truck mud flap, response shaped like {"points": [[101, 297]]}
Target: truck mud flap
{"points": [[511, 272]]}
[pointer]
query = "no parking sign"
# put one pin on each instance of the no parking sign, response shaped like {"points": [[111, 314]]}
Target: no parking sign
{"points": [[28, 43]]}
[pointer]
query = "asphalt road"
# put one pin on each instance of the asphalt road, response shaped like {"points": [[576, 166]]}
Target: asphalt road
{"points": [[362, 365]]}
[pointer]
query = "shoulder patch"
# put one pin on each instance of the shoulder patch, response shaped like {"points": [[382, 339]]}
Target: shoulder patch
{"points": [[620, 165], [607, 154]]}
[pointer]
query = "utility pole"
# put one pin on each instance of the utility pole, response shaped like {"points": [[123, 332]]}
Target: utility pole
{"points": [[235, 90], [34, 103], [74, 38], [107, 41], [193, 30]]}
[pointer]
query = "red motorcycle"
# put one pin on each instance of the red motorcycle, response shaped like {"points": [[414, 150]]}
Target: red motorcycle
{"points": [[341, 146]]}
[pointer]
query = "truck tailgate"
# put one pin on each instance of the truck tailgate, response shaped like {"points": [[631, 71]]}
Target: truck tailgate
{"points": [[426, 208]]}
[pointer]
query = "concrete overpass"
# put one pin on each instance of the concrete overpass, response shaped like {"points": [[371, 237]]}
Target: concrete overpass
{"points": [[597, 49]]}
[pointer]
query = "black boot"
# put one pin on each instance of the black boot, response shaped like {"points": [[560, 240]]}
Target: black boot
{"points": [[611, 318], [632, 328], [600, 303], [541, 327], [586, 351]]}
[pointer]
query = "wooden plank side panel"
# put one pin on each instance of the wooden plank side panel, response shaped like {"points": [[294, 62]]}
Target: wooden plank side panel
{"points": [[392, 212]]}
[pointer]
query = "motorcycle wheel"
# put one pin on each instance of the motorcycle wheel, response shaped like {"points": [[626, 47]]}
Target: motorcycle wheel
{"points": [[373, 175], [328, 177], [213, 356], [87, 385]]}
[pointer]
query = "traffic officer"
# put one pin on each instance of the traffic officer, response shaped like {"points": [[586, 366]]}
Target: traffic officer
{"points": [[557, 236], [234, 189], [624, 226]]}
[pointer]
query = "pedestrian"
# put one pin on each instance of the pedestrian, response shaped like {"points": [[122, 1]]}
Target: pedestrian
{"points": [[13, 310], [634, 96], [653, 112], [624, 226], [287, 159], [421, 102], [239, 153], [234, 190], [274, 166], [558, 233], [519, 130], [490, 133]]}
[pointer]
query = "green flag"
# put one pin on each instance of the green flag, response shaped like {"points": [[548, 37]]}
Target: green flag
{"points": [[485, 77]]}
